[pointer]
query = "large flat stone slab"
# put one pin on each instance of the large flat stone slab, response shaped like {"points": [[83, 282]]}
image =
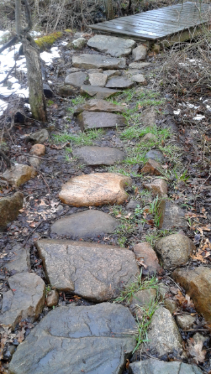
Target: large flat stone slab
{"points": [[154, 366], [25, 299], [75, 339], [99, 155], [85, 224], [87, 61], [99, 105], [76, 79], [98, 92], [95, 189], [111, 44], [120, 82], [99, 120], [94, 271]]}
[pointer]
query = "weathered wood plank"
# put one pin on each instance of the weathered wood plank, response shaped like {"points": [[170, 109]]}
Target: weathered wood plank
{"points": [[158, 23]]}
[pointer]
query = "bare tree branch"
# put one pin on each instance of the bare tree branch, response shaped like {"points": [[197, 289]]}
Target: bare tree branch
{"points": [[9, 44], [6, 159], [28, 16]]}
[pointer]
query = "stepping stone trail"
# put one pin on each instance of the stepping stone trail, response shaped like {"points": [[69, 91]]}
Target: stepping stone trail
{"points": [[99, 155]]}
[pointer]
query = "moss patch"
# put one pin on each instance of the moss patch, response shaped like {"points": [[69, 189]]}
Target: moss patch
{"points": [[45, 42]]}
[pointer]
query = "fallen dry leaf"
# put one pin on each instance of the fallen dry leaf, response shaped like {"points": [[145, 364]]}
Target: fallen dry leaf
{"points": [[195, 350]]}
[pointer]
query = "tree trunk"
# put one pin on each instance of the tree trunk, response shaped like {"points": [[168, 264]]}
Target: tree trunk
{"points": [[34, 75], [18, 16], [109, 9]]}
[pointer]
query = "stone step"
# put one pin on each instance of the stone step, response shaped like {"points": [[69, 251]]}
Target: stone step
{"points": [[99, 155], [99, 105], [96, 272], [98, 92], [95, 189], [76, 339], [111, 44], [100, 120], [85, 224], [94, 61]]}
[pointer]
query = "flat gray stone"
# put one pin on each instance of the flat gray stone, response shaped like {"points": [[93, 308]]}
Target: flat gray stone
{"points": [[99, 120], [139, 53], [112, 73], [39, 137], [154, 366], [79, 43], [87, 61], [163, 334], [25, 299], [76, 79], [9, 208], [99, 105], [78, 339], [85, 224], [175, 250], [139, 78], [99, 155], [19, 259], [155, 155], [98, 92], [94, 271], [185, 321], [111, 44], [97, 79], [139, 65], [120, 82], [171, 215]]}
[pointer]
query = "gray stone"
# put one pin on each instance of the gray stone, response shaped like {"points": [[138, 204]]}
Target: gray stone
{"points": [[170, 215], [145, 254], [97, 79], [35, 161], [76, 79], [52, 298], [155, 155], [185, 321], [72, 70], [111, 44], [120, 82], [139, 65], [132, 204], [67, 90], [87, 61], [139, 78], [92, 71], [154, 366], [171, 305], [163, 290], [79, 43], [98, 92], [99, 155], [47, 91], [112, 73], [19, 259], [98, 120], [25, 299], [144, 297], [139, 53], [9, 208], [85, 224], [163, 334], [94, 271], [19, 174], [148, 117], [175, 250], [99, 105], [78, 339], [39, 137]]}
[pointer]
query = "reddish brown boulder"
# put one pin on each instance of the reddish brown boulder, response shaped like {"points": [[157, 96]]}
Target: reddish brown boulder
{"points": [[197, 284], [38, 150], [145, 253], [152, 167]]}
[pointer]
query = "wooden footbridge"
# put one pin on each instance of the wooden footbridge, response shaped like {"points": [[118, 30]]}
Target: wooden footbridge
{"points": [[170, 24]]}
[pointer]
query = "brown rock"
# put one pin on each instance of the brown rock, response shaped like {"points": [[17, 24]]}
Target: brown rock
{"points": [[144, 252], [157, 186], [170, 215], [197, 283], [52, 298], [94, 271], [38, 150], [98, 120], [149, 137], [67, 90], [19, 174], [152, 167], [99, 105], [9, 208], [171, 305], [95, 189], [175, 250]]}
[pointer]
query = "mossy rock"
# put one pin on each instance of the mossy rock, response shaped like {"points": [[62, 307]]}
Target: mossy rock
{"points": [[68, 31], [45, 42]]}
